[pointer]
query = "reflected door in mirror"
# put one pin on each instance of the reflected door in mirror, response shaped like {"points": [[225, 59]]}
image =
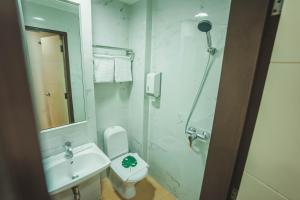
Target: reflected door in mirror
{"points": [[50, 76], [52, 32]]}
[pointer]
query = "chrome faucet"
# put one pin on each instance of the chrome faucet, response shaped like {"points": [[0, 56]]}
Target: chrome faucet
{"points": [[68, 150], [193, 135]]}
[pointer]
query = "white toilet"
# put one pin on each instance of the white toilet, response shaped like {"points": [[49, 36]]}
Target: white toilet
{"points": [[123, 175]]}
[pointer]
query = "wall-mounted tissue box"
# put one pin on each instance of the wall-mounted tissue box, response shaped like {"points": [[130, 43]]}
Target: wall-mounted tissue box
{"points": [[153, 84]]}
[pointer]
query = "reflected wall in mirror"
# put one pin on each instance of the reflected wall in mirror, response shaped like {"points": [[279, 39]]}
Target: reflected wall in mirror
{"points": [[52, 32]]}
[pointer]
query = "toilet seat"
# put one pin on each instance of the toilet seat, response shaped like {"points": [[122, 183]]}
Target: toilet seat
{"points": [[133, 174]]}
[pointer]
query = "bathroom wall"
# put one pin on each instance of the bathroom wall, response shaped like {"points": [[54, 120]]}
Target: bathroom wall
{"points": [[110, 27], [179, 52], [138, 103], [273, 168], [110, 23], [165, 38], [121, 25]]}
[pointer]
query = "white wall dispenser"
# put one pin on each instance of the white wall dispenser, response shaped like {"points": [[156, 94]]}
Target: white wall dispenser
{"points": [[153, 85]]}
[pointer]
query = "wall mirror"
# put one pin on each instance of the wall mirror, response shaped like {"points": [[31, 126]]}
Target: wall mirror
{"points": [[52, 33]]}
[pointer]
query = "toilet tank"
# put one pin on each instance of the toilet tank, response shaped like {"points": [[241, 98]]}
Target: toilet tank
{"points": [[115, 141]]}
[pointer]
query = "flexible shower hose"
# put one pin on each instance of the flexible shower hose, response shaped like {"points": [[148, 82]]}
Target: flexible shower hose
{"points": [[199, 92]]}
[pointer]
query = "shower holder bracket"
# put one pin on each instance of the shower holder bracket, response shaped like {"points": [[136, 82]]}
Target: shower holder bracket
{"points": [[212, 51]]}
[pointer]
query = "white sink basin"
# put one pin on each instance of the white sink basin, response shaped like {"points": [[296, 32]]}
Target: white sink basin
{"points": [[88, 160]]}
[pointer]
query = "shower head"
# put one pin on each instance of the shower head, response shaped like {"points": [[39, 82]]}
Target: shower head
{"points": [[205, 26]]}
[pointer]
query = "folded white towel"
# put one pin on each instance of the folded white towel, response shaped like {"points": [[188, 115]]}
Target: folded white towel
{"points": [[123, 71], [104, 70]]}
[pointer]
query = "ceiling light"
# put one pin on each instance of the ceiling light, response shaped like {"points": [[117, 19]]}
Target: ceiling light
{"points": [[201, 14], [39, 18]]}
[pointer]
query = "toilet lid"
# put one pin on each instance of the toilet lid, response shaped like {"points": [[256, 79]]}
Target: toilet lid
{"points": [[128, 165]]}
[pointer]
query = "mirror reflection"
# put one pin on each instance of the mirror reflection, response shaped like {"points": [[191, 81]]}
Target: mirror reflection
{"points": [[52, 33]]}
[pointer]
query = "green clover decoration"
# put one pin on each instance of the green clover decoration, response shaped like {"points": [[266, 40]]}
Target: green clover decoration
{"points": [[129, 161]]}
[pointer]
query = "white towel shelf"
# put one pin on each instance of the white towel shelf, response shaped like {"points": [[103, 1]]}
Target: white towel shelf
{"points": [[129, 52], [109, 56]]}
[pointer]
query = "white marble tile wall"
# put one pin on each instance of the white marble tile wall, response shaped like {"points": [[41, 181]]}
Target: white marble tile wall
{"points": [[52, 140], [179, 52], [110, 27], [137, 42], [110, 23], [121, 25]]}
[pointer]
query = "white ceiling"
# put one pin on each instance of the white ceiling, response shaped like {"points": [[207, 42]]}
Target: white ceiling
{"points": [[60, 5], [129, 1]]}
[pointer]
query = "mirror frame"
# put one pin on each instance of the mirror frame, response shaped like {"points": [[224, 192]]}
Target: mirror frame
{"points": [[78, 133]]}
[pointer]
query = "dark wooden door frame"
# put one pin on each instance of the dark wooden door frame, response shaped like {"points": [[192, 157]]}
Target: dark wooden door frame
{"points": [[19, 148], [250, 39]]}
